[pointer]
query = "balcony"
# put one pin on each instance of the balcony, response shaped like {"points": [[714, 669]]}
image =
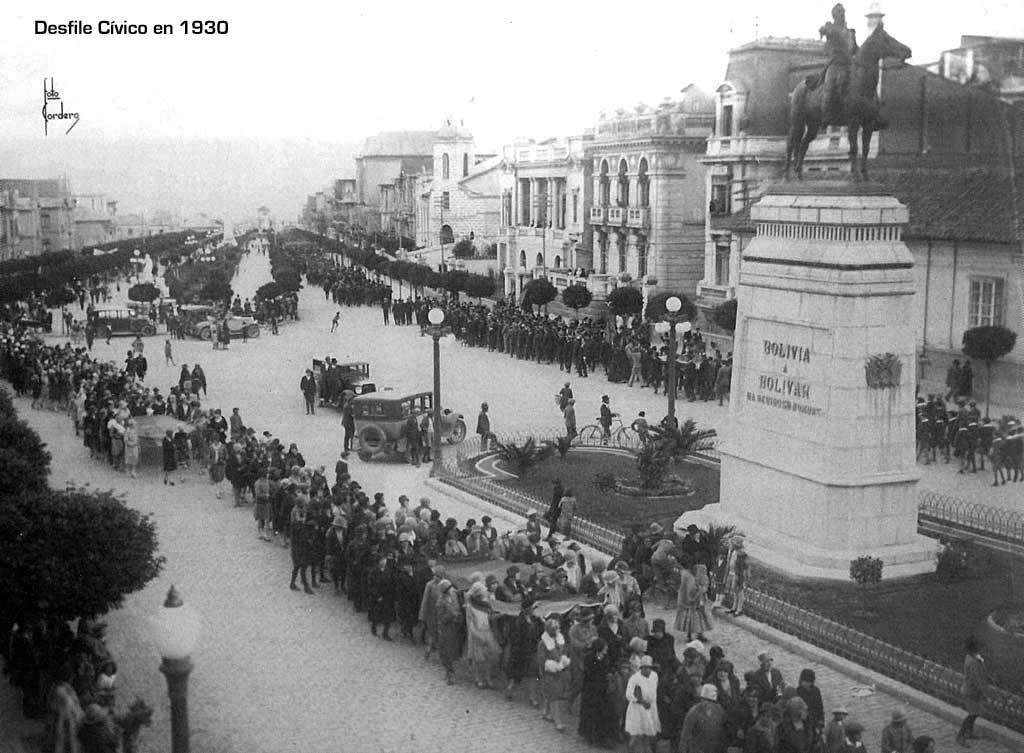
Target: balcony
{"points": [[638, 217], [616, 215], [597, 215]]}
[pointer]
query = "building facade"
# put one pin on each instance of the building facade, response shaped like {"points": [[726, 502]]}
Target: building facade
{"points": [[648, 208], [996, 64], [19, 226], [951, 154], [546, 194], [384, 157], [55, 223], [95, 220]]}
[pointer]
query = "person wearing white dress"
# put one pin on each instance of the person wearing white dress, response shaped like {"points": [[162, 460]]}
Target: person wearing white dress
{"points": [[642, 722]]}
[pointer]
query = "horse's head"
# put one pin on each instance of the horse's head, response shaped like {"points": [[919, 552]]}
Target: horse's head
{"points": [[880, 44]]}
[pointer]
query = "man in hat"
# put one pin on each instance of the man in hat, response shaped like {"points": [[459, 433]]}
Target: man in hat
{"points": [[428, 612], [335, 551], [835, 731], [704, 725], [523, 636], [581, 635], [767, 679], [896, 737], [483, 428], [852, 743], [840, 46]]}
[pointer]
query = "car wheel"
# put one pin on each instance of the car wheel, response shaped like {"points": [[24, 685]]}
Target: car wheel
{"points": [[205, 334], [252, 330], [372, 439], [148, 330], [365, 455]]}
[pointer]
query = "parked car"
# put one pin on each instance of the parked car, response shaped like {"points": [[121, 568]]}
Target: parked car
{"points": [[380, 419], [332, 380], [237, 325], [122, 322]]}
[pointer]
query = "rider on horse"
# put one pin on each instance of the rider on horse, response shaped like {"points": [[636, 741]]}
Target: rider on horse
{"points": [[841, 46]]}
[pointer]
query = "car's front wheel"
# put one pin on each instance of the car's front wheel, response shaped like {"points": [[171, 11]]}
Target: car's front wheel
{"points": [[252, 330], [206, 333]]}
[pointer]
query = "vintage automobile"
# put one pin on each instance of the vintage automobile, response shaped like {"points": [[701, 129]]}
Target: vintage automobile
{"points": [[200, 321], [122, 322], [380, 419], [335, 378]]}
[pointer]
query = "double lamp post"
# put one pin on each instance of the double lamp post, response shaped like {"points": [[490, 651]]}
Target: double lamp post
{"points": [[671, 322], [436, 318]]}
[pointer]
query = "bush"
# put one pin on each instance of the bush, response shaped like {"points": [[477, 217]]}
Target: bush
{"points": [[24, 461], [539, 292], [478, 286], [217, 289], [145, 292], [563, 444], [577, 297], [605, 481], [58, 297], [464, 249], [105, 551], [988, 344], [289, 279], [625, 301], [268, 291], [724, 314], [866, 570], [522, 457]]}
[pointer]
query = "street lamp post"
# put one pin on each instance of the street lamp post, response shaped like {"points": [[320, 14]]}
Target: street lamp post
{"points": [[177, 630], [436, 318], [669, 323]]}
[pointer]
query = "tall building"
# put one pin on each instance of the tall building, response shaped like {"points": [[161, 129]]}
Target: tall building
{"points": [[95, 220], [648, 209], [385, 157], [952, 154], [55, 222], [995, 64], [546, 194]]}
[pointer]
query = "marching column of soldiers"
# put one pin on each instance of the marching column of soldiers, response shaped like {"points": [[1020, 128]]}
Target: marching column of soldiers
{"points": [[963, 434]]}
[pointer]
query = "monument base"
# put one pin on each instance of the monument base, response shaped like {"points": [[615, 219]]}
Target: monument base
{"points": [[809, 528]]}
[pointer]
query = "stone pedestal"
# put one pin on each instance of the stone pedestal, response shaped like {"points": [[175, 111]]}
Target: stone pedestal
{"points": [[819, 466]]}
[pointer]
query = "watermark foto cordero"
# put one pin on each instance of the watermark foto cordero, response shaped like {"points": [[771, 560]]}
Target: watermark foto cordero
{"points": [[50, 99]]}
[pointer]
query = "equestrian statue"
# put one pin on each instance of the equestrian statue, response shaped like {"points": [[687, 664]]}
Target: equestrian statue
{"points": [[846, 92]]}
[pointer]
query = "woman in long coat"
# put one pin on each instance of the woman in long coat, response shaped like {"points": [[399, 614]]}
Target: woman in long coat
{"points": [[691, 615], [597, 717], [523, 635], [380, 587], [553, 660], [131, 448], [482, 648], [973, 689], [449, 628]]}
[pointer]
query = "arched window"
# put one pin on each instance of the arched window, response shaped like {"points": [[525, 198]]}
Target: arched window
{"points": [[620, 250], [643, 185], [641, 255], [603, 245], [445, 171], [465, 165], [558, 262], [522, 258], [540, 259], [447, 235], [623, 194], [606, 187]]}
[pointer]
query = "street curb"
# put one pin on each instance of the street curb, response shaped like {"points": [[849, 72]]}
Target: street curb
{"points": [[908, 695]]}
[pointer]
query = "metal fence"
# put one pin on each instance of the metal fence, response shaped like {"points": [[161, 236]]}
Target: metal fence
{"points": [[1001, 705], [988, 525]]}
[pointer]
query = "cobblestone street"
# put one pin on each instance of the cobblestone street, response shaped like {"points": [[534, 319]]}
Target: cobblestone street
{"points": [[278, 670]]}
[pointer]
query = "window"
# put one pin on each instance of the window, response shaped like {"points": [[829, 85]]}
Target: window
{"points": [[447, 234], [45, 221], [465, 165], [445, 171], [540, 259], [722, 253], [446, 200], [525, 202], [986, 302], [641, 255], [623, 193], [643, 185], [561, 210], [606, 186], [506, 209], [725, 131], [720, 198], [558, 262], [575, 205], [522, 258], [620, 250], [603, 244]]}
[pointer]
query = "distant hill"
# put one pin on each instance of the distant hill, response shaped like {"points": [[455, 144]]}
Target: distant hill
{"points": [[220, 178]]}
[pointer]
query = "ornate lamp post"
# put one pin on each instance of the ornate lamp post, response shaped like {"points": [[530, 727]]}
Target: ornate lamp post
{"points": [[668, 324], [176, 632], [436, 318]]}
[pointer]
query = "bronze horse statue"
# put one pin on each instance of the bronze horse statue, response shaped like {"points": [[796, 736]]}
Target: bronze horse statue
{"points": [[860, 103]]}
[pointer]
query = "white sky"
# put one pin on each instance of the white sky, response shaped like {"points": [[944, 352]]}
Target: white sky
{"points": [[339, 71]]}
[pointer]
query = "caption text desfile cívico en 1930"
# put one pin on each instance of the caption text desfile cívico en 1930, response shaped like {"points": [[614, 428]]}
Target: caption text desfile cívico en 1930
{"points": [[105, 27]]}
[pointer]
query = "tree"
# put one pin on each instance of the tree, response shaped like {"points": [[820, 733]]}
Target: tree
{"points": [[538, 292], [454, 281], [217, 289], [656, 307], [268, 291], [417, 275], [24, 460], [80, 552], [478, 286], [988, 344], [625, 301], [577, 297], [724, 314], [146, 292], [289, 279], [669, 445], [464, 249]]}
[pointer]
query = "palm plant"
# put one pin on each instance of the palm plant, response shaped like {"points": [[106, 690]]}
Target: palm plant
{"points": [[521, 457]]}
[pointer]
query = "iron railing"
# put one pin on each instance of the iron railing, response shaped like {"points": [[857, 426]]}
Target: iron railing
{"points": [[994, 527], [1001, 706]]}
